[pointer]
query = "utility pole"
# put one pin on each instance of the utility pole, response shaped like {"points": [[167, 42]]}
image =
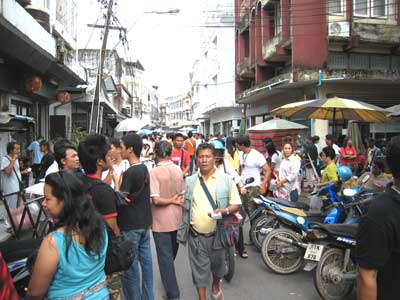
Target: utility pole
{"points": [[95, 111]]}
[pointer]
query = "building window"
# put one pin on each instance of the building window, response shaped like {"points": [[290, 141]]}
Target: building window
{"points": [[20, 108], [335, 7], [370, 8]]}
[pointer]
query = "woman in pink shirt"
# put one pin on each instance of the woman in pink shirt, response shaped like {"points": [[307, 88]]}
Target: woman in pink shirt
{"points": [[348, 154]]}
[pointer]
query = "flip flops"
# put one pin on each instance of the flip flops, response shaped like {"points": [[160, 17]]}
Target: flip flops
{"points": [[218, 296]]}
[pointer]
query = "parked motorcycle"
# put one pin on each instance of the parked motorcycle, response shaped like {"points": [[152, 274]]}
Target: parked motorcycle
{"points": [[333, 248], [264, 221], [284, 246], [20, 257]]}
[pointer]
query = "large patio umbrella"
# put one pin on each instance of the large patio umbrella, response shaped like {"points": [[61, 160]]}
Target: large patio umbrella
{"points": [[394, 112], [131, 124], [333, 109]]}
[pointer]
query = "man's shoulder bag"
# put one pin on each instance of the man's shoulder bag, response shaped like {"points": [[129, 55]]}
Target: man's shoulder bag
{"points": [[227, 231], [120, 253]]}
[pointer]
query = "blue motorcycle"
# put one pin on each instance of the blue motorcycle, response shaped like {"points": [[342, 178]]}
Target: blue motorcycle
{"points": [[286, 241], [264, 216]]}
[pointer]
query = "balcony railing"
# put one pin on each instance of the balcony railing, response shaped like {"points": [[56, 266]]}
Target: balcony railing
{"points": [[18, 17], [243, 67], [269, 48], [376, 33]]}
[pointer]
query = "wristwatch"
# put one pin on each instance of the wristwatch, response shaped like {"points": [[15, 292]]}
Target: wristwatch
{"points": [[227, 211]]}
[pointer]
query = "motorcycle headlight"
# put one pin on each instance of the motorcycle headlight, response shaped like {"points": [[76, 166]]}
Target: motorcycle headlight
{"points": [[301, 220]]}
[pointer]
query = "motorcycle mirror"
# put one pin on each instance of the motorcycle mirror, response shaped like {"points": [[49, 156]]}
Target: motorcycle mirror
{"points": [[249, 180]]}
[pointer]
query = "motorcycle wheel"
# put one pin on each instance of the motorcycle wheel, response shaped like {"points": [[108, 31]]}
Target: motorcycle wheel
{"points": [[332, 262], [261, 222], [229, 263], [282, 257]]}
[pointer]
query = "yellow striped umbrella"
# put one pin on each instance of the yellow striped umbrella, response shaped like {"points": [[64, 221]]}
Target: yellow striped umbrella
{"points": [[333, 109]]}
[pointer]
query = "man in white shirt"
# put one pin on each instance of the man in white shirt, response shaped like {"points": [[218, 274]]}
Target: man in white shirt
{"points": [[117, 164], [251, 164], [10, 175]]}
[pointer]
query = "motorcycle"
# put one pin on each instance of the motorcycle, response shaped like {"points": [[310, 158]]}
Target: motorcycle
{"points": [[333, 248], [284, 246], [20, 257], [262, 225], [265, 219]]}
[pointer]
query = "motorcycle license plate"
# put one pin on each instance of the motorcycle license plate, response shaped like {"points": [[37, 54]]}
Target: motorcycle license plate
{"points": [[314, 252]]}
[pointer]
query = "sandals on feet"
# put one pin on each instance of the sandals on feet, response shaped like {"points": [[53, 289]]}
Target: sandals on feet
{"points": [[244, 254], [217, 296]]}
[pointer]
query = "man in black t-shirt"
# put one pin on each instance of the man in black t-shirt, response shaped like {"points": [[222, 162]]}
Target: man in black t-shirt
{"points": [[378, 240], [92, 152], [135, 219]]}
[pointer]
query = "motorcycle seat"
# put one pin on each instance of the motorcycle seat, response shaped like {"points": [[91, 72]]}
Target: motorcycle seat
{"points": [[347, 230], [298, 204], [316, 214], [13, 250]]}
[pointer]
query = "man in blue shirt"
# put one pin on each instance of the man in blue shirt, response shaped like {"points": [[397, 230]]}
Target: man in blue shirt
{"points": [[37, 157]]}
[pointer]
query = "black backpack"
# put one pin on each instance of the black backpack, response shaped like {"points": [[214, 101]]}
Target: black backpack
{"points": [[120, 252]]}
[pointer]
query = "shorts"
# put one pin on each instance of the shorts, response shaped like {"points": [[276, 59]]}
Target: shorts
{"points": [[204, 260]]}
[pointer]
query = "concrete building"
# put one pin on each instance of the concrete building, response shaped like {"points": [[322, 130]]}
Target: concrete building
{"points": [[145, 94], [115, 99], [37, 66], [178, 111], [292, 50], [213, 97]]}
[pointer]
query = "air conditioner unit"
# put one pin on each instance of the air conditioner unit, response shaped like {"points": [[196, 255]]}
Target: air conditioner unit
{"points": [[341, 28], [126, 111]]}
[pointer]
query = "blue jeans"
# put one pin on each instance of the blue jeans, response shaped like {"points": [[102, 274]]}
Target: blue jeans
{"points": [[167, 249], [131, 278], [192, 165]]}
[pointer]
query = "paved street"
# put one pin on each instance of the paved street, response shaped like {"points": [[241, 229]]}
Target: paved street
{"points": [[252, 281]]}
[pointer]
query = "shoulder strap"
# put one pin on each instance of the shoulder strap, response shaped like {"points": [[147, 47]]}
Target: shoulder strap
{"points": [[15, 172], [181, 162], [207, 192]]}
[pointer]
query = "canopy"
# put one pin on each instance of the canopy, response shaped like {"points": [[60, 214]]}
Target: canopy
{"points": [[131, 124], [277, 124]]}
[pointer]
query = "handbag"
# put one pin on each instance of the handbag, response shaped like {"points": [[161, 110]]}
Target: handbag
{"points": [[120, 253], [227, 231]]}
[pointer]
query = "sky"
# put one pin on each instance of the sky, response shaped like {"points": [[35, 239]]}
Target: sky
{"points": [[166, 45]]}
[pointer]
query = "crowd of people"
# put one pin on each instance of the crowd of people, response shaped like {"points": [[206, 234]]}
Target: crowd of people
{"points": [[195, 182]]}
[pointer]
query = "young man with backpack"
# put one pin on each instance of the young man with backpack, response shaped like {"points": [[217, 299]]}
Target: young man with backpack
{"points": [[92, 151]]}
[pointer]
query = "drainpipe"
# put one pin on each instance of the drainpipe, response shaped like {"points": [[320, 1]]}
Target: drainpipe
{"points": [[321, 80]]}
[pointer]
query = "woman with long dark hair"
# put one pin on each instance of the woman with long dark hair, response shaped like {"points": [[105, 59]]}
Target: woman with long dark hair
{"points": [[70, 261], [232, 152]]}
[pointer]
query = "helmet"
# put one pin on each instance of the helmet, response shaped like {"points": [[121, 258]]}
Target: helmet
{"points": [[344, 173], [217, 145]]}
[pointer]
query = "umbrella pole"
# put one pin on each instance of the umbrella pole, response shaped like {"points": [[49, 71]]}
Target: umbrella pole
{"points": [[333, 124]]}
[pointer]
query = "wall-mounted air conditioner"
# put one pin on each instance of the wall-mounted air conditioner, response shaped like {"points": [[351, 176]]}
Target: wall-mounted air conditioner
{"points": [[126, 111], [341, 28]]}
